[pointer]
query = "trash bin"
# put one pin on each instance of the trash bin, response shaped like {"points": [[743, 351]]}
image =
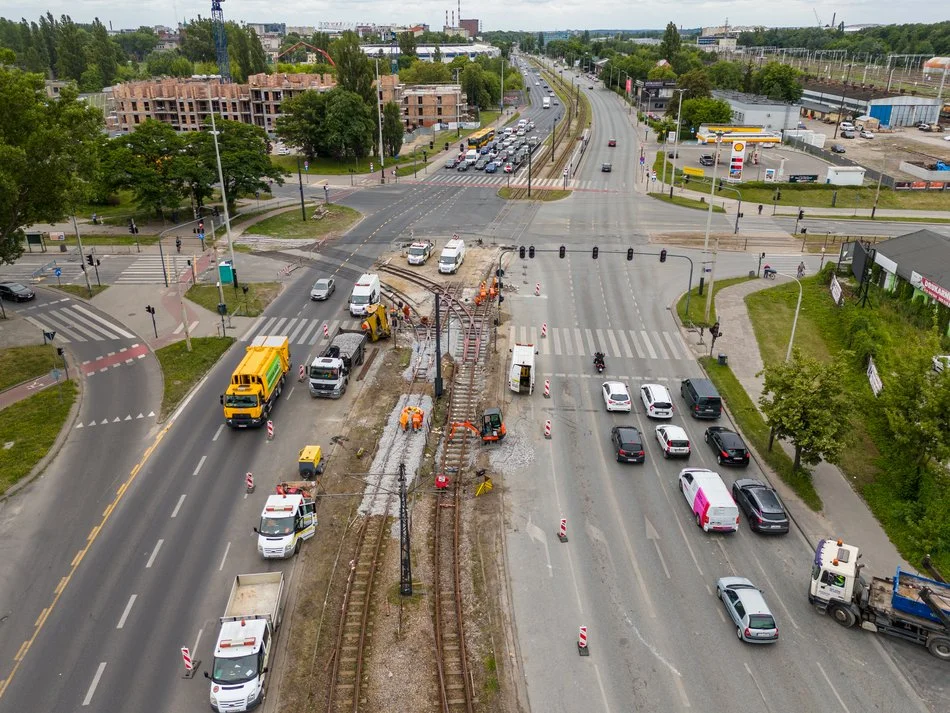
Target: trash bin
{"points": [[723, 360]]}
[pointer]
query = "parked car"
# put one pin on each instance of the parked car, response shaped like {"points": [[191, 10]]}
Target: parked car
{"points": [[670, 154], [728, 446], [628, 444], [322, 288], [590, 86], [837, 148], [847, 134], [746, 606], [706, 160], [761, 505], [865, 134], [616, 396], [606, 167], [16, 292], [846, 126], [941, 362], [612, 143], [673, 440]]}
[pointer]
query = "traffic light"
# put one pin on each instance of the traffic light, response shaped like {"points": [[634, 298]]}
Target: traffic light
{"points": [[561, 252], [801, 214], [629, 254], [150, 309], [663, 255], [595, 252], [531, 252], [60, 351], [521, 252], [89, 259]]}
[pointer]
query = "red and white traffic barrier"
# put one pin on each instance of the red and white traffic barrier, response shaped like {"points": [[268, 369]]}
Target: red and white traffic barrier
{"points": [[249, 482], [326, 331], [582, 642], [270, 430], [562, 530], [544, 329], [547, 428], [301, 373], [537, 289], [547, 388], [186, 657]]}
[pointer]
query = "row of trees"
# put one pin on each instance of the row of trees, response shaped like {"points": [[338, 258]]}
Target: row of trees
{"points": [[886, 39]]}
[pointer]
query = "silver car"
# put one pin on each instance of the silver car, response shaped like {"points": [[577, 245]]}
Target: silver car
{"points": [[746, 606], [322, 288]]}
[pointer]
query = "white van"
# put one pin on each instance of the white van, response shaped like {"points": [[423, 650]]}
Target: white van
{"points": [[365, 293], [452, 257], [471, 157], [709, 499], [521, 376], [546, 103]]}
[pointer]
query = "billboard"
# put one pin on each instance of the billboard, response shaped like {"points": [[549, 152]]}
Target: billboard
{"points": [[629, 89], [736, 160]]}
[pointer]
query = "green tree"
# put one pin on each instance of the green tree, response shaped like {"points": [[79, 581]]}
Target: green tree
{"points": [[426, 73], [144, 162], [392, 129], [302, 123], [661, 72], [168, 63], [102, 52], [407, 44], [704, 111], [71, 50], [437, 55], [197, 41], [541, 42], [350, 124], [92, 79], [48, 155], [778, 81], [137, 44], [725, 75], [671, 42], [696, 83], [803, 401], [353, 71]]}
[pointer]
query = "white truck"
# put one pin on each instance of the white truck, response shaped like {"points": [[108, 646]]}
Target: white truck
{"points": [[420, 252], [288, 519], [546, 103], [521, 376], [330, 372], [245, 641]]}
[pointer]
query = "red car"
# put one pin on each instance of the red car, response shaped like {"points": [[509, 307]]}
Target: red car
{"points": [[612, 142]]}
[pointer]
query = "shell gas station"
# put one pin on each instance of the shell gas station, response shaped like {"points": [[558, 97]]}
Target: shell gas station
{"points": [[740, 139]]}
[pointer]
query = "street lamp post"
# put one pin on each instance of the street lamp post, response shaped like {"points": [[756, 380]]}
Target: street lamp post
{"points": [[791, 338], [379, 116], [712, 195], [676, 140]]}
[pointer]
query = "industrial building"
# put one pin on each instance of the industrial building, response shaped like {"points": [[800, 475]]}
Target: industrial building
{"points": [[836, 101], [757, 110], [427, 52]]}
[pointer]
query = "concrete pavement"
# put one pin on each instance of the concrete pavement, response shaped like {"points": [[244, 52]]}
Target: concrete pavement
{"points": [[844, 513]]}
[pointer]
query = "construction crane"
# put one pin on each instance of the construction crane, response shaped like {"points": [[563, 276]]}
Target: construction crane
{"points": [[316, 50], [816, 16], [220, 40]]}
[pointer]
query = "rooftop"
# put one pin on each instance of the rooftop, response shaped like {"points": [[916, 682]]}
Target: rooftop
{"points": [[923, 251]]}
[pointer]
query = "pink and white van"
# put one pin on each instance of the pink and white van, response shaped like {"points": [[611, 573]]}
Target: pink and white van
{"points": [[709, 499]]}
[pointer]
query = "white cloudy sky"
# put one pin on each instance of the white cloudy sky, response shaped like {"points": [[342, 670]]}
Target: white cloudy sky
{"points": [[494, 14]]}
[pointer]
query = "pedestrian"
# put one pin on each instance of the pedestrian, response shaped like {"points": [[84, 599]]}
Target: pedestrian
{"points": [[178, 245], [95, 219], [801, 269], [760, 209]]}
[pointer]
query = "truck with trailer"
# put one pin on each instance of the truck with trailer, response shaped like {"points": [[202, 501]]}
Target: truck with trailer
{"points": [[257, 382], [907, 606], [246, 641], [287, 520], [330, 372]]}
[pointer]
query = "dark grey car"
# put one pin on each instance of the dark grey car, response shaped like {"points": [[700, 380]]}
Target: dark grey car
{"points": [[322, 288], [16, 292], [761, 506]]}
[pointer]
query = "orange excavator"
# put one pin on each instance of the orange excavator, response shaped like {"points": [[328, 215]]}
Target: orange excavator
{"points": [[492, 428]]}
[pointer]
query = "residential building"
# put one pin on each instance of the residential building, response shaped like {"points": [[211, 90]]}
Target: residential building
{"points": [[453, 31], [423, 104], [756, 110], [266, 28]]}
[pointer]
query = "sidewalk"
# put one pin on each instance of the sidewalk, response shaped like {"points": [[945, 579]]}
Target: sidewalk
{"points": [[844, 513]]}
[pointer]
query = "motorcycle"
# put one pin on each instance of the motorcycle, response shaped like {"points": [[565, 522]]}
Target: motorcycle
{"points": [[599, 362]]}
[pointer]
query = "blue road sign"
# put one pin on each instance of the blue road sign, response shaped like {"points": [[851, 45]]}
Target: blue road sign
{"points": [[58, 271], [642, 160]]}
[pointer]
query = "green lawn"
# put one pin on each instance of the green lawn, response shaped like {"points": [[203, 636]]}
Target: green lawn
{"points": [[19, 364], [107, 239], [183, 369], [290, 224], [32, 426], [259, 295], [697, 302], [81, 291], [686, 202]]}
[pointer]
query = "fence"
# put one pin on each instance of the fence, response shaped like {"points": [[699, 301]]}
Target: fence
{"points": [[839, 160]]}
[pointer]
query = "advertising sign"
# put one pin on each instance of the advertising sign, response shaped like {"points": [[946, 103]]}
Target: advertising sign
{"points": [[736, 160], [836, 290], [629, 85], [691, 171], [930, 288], [770, 175], [803, 178], [57, 236]]}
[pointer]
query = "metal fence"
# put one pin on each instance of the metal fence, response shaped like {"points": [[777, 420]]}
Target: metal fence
{"points": [[840, 160]]}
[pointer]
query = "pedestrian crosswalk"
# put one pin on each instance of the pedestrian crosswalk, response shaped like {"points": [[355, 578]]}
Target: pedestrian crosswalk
{"points": [[616, 343], [148, 270], [73, 322], [520, 181], [301, 331]]}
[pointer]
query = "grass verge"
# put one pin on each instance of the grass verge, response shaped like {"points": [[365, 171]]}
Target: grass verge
{"points": [[182, 369], [32, 426], [697, 302], [81, 291], [686, 202], [19, 364], [756, 432], [290, 225], [259, 295]]}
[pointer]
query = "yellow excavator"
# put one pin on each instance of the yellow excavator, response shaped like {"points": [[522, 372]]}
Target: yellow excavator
{"points": [[376, 323]]}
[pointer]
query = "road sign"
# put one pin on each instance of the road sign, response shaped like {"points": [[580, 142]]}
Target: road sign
{"points": [[306, 165], [54, 374], [642, 160], [692, 171], [58, 271], [49, 335]]}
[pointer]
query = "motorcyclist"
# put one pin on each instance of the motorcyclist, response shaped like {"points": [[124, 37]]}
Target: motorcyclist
{"points": [[599, 359]]}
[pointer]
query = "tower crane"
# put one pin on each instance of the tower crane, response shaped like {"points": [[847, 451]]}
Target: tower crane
{"points": [[220, 40]]}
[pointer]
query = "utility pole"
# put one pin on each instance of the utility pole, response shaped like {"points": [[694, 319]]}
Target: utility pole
{"points": [[379, 107], [712, 195], [676, 140], [82, 259]]}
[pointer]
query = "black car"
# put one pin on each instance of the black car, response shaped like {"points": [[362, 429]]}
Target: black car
{"points": [[606, 167], [706, 160], [837, 148], [16, 292], [761, 505], [463, 166], [727, 445], [628, 444]]}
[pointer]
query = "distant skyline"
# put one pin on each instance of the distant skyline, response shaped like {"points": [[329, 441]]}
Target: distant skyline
{"points": [[528, 15]]}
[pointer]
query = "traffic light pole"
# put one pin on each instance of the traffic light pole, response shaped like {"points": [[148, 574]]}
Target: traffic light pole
{"points": [[82, 258]]}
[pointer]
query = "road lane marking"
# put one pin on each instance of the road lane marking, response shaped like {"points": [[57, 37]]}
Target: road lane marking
{"points": [[200, 463], [42, 617], [178, 506], [833, 689], [218, 432], [125, 614], [757, 686], [226, 550], [154, 554], [95, 682]]}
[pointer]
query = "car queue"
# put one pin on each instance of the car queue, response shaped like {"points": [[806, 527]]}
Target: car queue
{"points": [[504, 153]]}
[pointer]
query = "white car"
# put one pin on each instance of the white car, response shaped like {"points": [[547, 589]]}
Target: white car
{"points": [[866, 134], [616, 396], [657, 401], [941, 362], [673, 440]]}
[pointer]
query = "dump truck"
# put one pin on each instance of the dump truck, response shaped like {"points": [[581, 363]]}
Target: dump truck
{"points": [[257, 382], [287, 520], [246, 641], [908, 606], [330, 372]]}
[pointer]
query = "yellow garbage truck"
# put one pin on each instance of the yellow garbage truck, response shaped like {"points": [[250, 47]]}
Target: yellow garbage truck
{"points": [[257, 382]]}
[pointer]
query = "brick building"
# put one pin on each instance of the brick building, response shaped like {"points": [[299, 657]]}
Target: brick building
{"points": [[470, 26]]}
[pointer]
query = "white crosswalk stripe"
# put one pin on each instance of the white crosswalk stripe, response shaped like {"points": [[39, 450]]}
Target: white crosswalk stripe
{"points": [[74, 323], [616, 343], [300, 331], [147, 269]]}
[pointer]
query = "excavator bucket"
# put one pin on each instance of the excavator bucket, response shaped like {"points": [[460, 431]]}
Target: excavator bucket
{"points": [[376, 324]]}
